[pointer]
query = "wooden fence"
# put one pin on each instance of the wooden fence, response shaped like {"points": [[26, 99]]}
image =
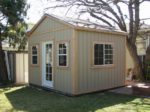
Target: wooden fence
{"points": [[17, 66]]}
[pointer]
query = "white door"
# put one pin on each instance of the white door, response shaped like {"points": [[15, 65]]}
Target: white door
{"points": [[47, 59]]}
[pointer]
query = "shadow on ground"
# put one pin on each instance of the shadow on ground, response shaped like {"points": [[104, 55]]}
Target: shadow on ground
{"points": [[34, 100]]}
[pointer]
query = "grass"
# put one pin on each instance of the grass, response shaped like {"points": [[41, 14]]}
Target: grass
{"points": [[27, 99]]}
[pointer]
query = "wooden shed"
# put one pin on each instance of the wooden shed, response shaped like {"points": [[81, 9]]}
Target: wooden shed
{"points": [[74, 56]]}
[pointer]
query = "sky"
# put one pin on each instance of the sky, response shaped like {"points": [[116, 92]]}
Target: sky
{"points": [[37, 7]]}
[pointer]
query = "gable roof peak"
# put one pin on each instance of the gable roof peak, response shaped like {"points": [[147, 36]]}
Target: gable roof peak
{"points": [[77, 24]]}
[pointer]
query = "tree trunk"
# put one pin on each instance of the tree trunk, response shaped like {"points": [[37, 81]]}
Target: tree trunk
{"points": [[138, 70], [3, 69]]}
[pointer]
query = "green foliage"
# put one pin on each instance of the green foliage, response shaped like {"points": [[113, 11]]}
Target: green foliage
{"points": [[17, 36], [12, 24]]}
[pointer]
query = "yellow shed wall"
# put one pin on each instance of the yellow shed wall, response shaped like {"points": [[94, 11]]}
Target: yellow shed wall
{"points": [[93, 79], [51, 30]]}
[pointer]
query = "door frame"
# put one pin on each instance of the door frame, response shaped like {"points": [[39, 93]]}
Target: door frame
{"points": [[51, 84]]}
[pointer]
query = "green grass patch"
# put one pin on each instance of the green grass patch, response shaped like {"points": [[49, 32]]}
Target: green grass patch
{"points": [[27, 99]]}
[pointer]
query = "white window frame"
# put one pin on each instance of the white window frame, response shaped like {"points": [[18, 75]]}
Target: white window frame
{"points": [[32, 55], [103, 43], [67, 49]]}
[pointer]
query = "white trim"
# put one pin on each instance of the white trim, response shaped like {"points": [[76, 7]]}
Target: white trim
{"points": [[67, 52], [47, 84], [103, 43], [34, 54]]}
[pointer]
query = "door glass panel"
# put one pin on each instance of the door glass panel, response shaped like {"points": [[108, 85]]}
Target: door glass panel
{"points": [[48, 61]]}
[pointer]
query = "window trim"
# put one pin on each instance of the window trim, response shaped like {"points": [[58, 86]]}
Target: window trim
{"points": [[35, 55], [104, 65], [67, 54]]}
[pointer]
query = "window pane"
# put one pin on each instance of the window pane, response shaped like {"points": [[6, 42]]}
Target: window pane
{"points": [[34, 50], [109, 51], [108, 46], [60, 51], [48, 55], [62, 60], [50, 69], [48, 72], [60, 45], [47, 68], [108, 62], [108, 59], [50, 77], [96, 60], [64, 51], [34, 54], [98, 54], [101, 61], [62, 54], [103, 54], [108, 54], [47, 77], [96, 47], [64, 46], [34, 59]]}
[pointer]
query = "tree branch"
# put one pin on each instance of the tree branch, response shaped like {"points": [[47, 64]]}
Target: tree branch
{"points": [[100, 18], [131, 20], [122, 18], [136, 20]]}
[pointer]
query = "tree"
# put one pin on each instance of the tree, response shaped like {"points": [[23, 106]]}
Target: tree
{"points": [[110, 12], [12, 28]]}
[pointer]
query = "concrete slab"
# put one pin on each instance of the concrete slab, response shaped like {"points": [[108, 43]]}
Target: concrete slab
{"points": [[134, 88]]}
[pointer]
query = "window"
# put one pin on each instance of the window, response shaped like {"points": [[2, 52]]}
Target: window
{"points": [[103, 54], [62, 54], [34, 55]]}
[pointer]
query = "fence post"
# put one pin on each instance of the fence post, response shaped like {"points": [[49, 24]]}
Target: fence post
{"points": [[7, 65]]}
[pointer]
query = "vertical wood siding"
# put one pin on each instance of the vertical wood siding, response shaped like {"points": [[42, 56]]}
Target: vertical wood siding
{"points": [[51, 30], [93, 79], [21, 68]]}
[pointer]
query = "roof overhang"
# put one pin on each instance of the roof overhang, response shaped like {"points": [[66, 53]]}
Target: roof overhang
{"points": [[102, 31]]}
